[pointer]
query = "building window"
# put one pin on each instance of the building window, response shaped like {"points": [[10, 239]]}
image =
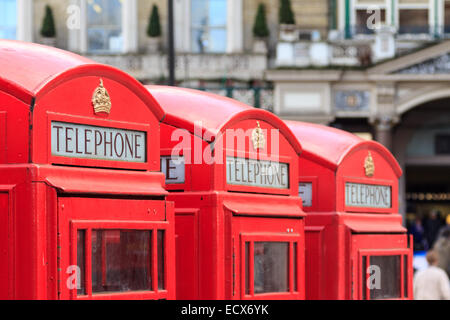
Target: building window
{"points": [[413, 21], [442, 144], [366, 17], [8, 19], [209, 26], [447, 17], [104, 26]]}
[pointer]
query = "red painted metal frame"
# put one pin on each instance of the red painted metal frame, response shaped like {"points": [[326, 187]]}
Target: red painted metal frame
{"points": [[330, 158], [206, 192], [154, 227], [251, 238], [39, 84], [376, 252]]}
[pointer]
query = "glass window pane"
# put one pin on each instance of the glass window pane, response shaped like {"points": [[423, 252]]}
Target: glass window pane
{"points": [[8, 19], [217, 13], [199, 13], [208, 25], [121, 260], [81, 238], [161, 273], [199, 40], [413, 21], [271, 268], [104, 25], [96, 39], [390, 280], [217, 40], [362, 19]]}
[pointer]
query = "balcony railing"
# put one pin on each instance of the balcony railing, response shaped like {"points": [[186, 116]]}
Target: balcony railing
{"points": [[257, 96], [244, 67]]}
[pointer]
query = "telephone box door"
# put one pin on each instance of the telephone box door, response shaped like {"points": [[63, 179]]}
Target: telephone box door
{"points": [[381, 266], [187, 266], [268, 265], [112, 248]]}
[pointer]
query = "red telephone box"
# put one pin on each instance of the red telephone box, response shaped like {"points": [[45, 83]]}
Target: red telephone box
{"points": [[230, 170], [356, 246], [83, 210]]}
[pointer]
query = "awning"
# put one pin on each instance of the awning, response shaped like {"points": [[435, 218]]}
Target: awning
{"points": [[259, 205], [100, 181]]}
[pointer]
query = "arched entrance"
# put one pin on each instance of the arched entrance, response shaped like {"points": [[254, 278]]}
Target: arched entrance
{"points": [[422, 146]]}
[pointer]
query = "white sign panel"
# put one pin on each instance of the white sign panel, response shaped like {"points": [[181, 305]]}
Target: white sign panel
{"points": [[305, 192], [173, 168], [99, 143], [257, 173], [367, 196]]}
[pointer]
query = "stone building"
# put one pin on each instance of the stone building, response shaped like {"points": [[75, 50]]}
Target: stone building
{"points": [[378, 68]]}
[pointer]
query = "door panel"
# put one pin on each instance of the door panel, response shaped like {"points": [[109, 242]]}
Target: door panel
{"points": [[270, 258], [382, 266], [186, 254], [119, 247]]}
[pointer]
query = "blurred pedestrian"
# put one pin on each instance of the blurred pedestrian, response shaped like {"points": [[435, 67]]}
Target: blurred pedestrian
{"points": [[417, 230], [442, 247], [432, 225], [432, 283]]}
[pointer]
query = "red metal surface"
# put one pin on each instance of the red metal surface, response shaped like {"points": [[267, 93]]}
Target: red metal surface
{"points": [[31, 70], [184, 107], [336, 234], [45, 199], [214, 219]]}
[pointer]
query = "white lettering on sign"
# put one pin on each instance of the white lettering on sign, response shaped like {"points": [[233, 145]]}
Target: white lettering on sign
{"points": [[367, 195], [98, 143], [173, 169], [305, 192], [257, 173]]}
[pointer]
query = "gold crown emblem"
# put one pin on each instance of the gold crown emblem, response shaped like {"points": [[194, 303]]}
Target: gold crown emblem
{"points": [[259, 142], [369, 166], [101, 100]]}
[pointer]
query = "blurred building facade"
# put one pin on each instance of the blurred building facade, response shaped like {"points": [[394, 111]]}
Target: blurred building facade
{"points": [[378, 68]]}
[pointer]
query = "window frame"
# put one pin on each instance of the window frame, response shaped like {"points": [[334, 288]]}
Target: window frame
{"points": [[404, 278], [78, 38], [426, 7], [88, 226], [387, 12], [435, 20], [251, 239], [234, 27]]}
